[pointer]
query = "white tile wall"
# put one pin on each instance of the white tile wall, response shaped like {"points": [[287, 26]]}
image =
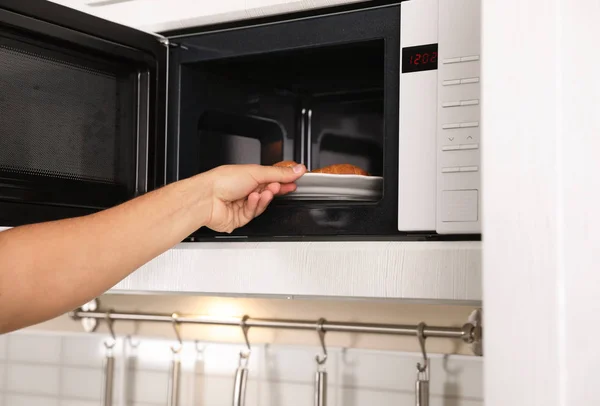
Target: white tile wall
{"points": [[78, 403], [39, 349], [3, 344], [2, 377], [27, 400], [82, 383], [32, 379], [150, 387], [277, 367], [359, 397], [218, 390], [82, 351], [54, 370], [291, 394]]}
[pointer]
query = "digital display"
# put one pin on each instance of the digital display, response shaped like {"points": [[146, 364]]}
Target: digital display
{"points": [[419, 58]]}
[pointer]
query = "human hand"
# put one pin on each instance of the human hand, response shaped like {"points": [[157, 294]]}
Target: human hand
{"points": [[239, 193]]}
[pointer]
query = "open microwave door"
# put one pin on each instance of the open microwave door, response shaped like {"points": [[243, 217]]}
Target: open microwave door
{"points": [[82, 112]]}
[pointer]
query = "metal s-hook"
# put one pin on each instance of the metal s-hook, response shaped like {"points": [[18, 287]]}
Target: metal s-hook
{"points": [[175, 364], [199, 348], [245, 354], [241, 373], [176, 326], [131, 343], [422, 383], [321, 374], [109, 323], [421, 337], [109, 364], [321, 360]]}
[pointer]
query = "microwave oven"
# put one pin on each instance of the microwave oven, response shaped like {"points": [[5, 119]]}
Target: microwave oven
{"points": [[94, 113]]}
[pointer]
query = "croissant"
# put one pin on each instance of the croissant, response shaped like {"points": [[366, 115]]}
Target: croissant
{"points": [[286, 164], [336, 169], [341, 169]]}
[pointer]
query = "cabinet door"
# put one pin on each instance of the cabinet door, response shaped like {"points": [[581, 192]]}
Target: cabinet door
{"points": [[82, 112]]}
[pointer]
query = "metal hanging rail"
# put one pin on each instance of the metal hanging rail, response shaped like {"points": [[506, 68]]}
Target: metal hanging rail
{"points": [[89, 315]]}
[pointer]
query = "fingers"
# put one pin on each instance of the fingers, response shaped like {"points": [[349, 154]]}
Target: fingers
{"points": [[274, 188], [274, 174], [277, 189], [256, 204], [287, 188], [251, 205], [265, 198], [272, 181]]}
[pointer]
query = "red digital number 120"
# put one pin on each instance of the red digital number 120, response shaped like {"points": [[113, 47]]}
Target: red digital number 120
{"points": [[423, 58]]}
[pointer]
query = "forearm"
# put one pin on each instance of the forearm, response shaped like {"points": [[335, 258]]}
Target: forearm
{"points": [[50, 268]]}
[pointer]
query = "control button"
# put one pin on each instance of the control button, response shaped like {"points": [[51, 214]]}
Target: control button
{"points": [[469, 58], [450, 169], [469, 168], [451, 82], [452, 60], [473, 102], [459, 205], [450, 148], [450, 126], [469, 146], [469, 124], [451, 104], [469, 80]]}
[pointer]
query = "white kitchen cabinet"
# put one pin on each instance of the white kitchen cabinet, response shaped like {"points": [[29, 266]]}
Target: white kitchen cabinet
{"points": [[541, 174], [431, 272], [424, 271], [164, 15]]}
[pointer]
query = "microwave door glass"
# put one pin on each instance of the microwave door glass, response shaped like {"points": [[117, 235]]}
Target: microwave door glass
{"points": [[67, 121]]}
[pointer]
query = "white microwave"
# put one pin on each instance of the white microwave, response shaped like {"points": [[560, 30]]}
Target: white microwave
{"points": [[391, 87]]}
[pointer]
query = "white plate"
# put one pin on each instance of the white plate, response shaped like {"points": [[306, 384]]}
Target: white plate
{"points": [[325, 186]]}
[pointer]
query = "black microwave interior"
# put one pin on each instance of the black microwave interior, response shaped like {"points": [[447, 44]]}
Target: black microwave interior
{"points": [[315, 105]]}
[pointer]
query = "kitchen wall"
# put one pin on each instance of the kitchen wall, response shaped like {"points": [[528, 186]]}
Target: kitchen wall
{"points": [[56, 364], [66, 369]]}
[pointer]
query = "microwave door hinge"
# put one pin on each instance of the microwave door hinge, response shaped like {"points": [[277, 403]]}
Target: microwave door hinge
{"points": [[166, 42]]}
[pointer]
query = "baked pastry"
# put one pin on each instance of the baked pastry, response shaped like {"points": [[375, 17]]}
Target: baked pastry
{"points": [[286, 164], [336, 169], [341, 169]]}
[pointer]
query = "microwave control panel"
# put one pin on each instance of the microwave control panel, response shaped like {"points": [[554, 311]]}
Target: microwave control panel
{"points": [[459, 117], [440, 104]]}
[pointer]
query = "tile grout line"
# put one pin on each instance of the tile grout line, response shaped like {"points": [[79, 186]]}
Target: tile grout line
{"points": [[61, 372], [52, 364], [5, 377]]}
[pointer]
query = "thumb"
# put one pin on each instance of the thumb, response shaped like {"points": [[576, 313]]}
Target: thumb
{"points": [[270, 174]]}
